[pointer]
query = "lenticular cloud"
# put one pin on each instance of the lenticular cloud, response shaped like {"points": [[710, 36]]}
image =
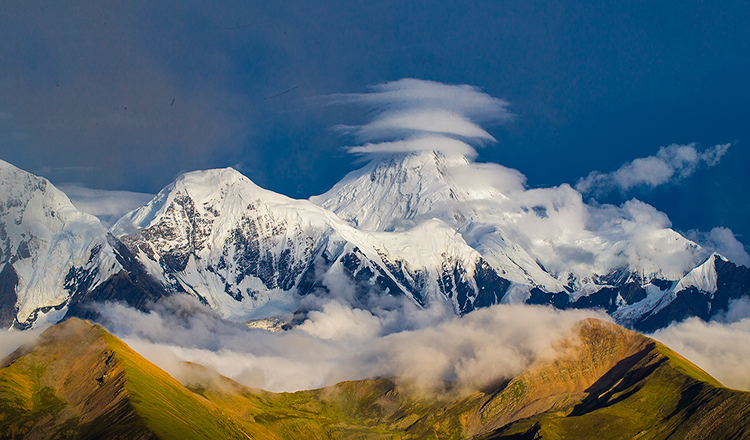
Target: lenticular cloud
{"points": [[417, 115]]}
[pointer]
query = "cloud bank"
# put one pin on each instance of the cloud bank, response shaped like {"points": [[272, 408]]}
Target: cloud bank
{"points": [[670, 164], [425, 348], [428, 350], [720, 347], [417, 115]]}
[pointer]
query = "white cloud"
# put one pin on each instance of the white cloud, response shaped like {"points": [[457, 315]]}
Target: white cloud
{"points": [[108, 206], [670, 164], [722, 241], [417, 115], [404, 122], [410, 93], [720, 347], [423, 347], [427, 143], [12, 339]]}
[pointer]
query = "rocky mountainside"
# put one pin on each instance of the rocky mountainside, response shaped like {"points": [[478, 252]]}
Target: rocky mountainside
{"points": [[78, 381], [249, 252], [55, 257], [425, 226], [545, 245]]}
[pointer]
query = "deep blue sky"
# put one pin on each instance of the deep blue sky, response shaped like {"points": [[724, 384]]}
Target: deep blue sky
{"points": [[127, 96]]}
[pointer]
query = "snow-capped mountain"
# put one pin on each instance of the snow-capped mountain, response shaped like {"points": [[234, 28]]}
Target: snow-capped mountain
{"points": [[547, 243], [547, 238], [399, 192], [250, 253], [425, 226], [50, 251], [704, 292]]}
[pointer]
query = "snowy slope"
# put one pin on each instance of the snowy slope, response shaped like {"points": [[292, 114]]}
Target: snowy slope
{"points": [[424, 226], [251, 253], [697, 289], [547, 238], [47, 245], [702, 277]]}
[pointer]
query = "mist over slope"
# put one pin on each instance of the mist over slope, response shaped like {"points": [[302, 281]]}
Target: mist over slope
{"points": [[91, 384], [426, 348]]}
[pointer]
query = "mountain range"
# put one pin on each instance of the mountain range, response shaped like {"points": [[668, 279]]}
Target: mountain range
{"points": [[427, 227], [78, 381]]}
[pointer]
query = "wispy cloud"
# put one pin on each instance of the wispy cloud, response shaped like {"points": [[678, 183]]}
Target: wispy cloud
{"points": [[417, 143], [417, 115], [13, 339], [670, 164]]}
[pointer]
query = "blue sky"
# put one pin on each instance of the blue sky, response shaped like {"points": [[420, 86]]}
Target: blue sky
{"points": [[126, 96]]}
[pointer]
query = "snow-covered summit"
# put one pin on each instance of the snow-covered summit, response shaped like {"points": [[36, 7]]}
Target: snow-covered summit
{"points": [[245, 250], [702, 277], [43, 237], [428, 226], [399, 191], [547, 238]]}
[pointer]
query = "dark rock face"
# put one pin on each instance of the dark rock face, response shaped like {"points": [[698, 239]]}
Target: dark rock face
{"points": [[609, 298], [8, 282], [688, 303], [132, 286], [732, 282], [490, 288], [539, 297]]}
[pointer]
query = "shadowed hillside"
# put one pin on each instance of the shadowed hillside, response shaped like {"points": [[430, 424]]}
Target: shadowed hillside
{"points": [[78, 381]]}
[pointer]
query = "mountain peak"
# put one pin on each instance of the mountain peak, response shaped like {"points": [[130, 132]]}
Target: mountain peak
{"points": [[205, 190], [211, 176], [397, 191], [45, 243]]}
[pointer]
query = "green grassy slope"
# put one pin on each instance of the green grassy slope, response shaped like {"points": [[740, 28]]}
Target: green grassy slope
{"points": [[653, 394], [78, 381]]}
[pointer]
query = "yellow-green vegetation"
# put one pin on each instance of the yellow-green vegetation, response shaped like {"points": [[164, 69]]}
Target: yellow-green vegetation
{"points": [[78, 381]]}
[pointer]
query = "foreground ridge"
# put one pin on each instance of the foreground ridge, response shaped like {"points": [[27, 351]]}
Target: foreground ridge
{"points": [[78, 381]]}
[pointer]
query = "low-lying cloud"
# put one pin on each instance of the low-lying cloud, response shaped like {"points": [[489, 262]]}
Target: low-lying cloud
{"points": [[430, 350], [425, 348], [720, 347], [670, 164], [417, 115], [13, 339]]}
